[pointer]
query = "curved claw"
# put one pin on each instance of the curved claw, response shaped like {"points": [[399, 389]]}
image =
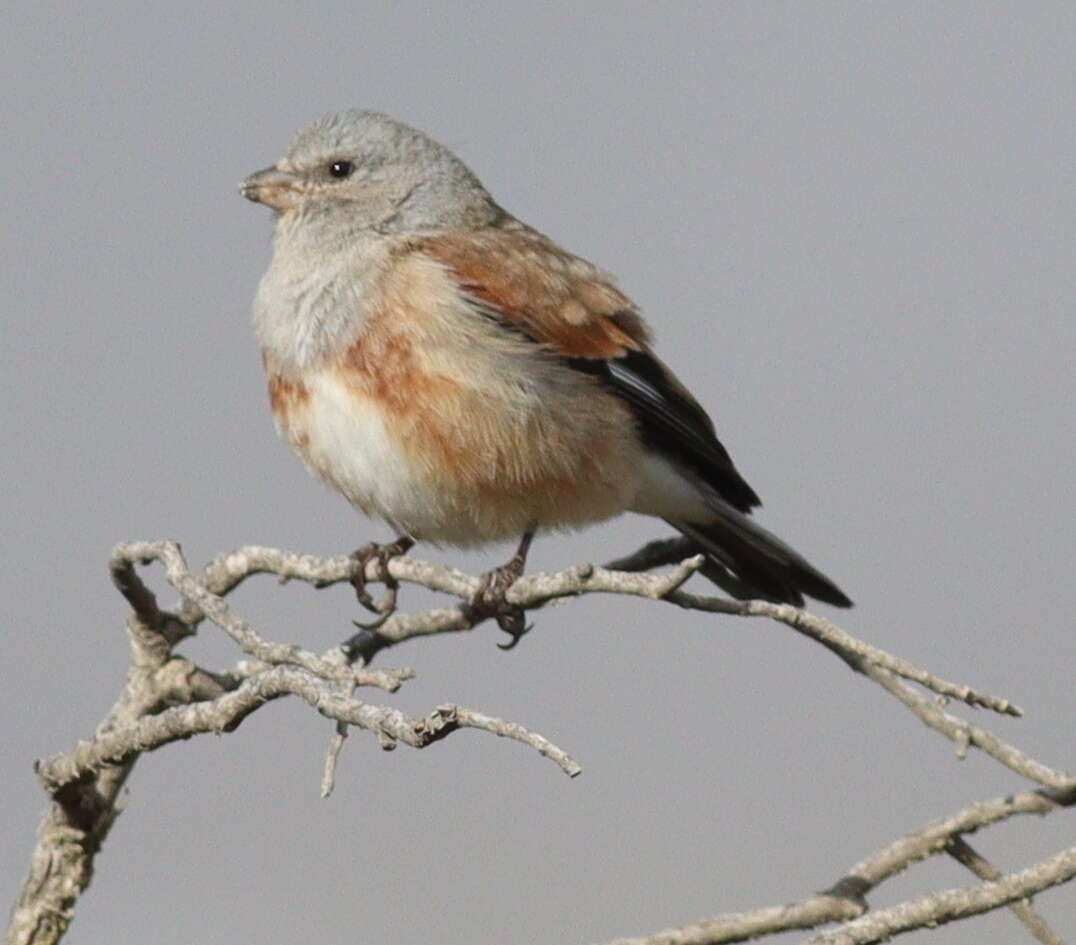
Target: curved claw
{"points": [[490, 600], [364, 598], [514, 633], [382, 554], [377, 623], [358, 579]]}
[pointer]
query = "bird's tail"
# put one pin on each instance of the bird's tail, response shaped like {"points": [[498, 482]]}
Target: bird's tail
{"points": [[756, 563]]}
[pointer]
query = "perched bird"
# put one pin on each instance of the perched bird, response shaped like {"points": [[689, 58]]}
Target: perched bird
{"points": [[457, 374]]}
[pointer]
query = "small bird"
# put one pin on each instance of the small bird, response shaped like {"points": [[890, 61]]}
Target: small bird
{"points": [[457, 374]]}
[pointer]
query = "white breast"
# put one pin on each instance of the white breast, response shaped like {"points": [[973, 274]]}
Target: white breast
{"points": [[343, 438]]}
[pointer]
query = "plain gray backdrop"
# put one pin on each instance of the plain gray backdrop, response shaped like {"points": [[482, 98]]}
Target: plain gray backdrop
{"points": [[852, 227]]}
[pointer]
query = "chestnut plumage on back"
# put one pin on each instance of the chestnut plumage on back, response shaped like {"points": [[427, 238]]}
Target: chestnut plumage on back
{"points": [[460, 376]]}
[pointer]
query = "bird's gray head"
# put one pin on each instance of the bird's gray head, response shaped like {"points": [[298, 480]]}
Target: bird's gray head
{"points": [[365, 171]]}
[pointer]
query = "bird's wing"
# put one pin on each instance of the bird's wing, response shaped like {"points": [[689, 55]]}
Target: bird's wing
{"points": [[529, 285]]}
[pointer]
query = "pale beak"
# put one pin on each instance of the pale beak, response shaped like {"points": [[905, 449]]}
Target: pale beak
{"points": [[273, 187]]}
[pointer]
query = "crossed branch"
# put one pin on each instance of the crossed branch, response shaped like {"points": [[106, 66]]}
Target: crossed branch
{"points": [[167, 698]]}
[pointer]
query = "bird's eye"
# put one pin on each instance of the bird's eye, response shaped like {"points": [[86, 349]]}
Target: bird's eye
{"points": [[341, 169]]}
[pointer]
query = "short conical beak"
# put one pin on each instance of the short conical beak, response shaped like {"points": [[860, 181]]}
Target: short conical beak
{"points": [[273, 187]]}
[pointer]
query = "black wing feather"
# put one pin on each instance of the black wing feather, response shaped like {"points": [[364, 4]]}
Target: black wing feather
{"points": [[671, 421]]}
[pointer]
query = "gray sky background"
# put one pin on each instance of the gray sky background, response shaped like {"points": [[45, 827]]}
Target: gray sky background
{"points": [[852, 227]]}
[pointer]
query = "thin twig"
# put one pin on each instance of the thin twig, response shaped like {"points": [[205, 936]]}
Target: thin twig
{"points": [[962, 851], [940, 908], [963, 733], [166, 699], [227, 712], [846, 898], [336, 745], [534, 591], [228, 570]]}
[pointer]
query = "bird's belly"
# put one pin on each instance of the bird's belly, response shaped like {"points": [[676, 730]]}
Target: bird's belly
{"points": [[343, 439], [457, 476]]}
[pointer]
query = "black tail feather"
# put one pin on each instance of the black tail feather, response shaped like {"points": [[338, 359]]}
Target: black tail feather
{"points": [[759, 563]]}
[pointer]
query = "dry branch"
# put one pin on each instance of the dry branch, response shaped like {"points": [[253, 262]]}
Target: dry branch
{"points": [[532, 592], [845, 899], [962, 851], [166, 698], [940, 908]]}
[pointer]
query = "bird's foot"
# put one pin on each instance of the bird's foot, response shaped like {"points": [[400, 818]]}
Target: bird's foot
{"points": [[490, 600], [382, 554]]}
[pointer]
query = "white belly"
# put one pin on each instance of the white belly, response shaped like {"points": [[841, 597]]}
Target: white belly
{"points": [[343, 439], [499, 480]]}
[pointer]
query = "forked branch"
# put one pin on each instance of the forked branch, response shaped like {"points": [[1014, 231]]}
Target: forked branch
{"points": [[166, 698]]}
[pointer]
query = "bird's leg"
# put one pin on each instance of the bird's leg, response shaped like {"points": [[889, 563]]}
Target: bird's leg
{"points": [[489, 600], [382, 554]]}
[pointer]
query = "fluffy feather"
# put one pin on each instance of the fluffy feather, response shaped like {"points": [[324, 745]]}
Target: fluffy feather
{"points": [[457, 374]]}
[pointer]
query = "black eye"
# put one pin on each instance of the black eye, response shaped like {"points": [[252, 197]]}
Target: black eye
{"points": [[341, 169]]}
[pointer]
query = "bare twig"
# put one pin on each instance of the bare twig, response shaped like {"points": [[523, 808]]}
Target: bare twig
{"points": [[336, 745], [534, 591], [166, 699], [964, 734], [939, 908], [468, 718], [216, 609], [845, 899], [740, 926], [935, 836], [962, 851], [226, 712]]}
